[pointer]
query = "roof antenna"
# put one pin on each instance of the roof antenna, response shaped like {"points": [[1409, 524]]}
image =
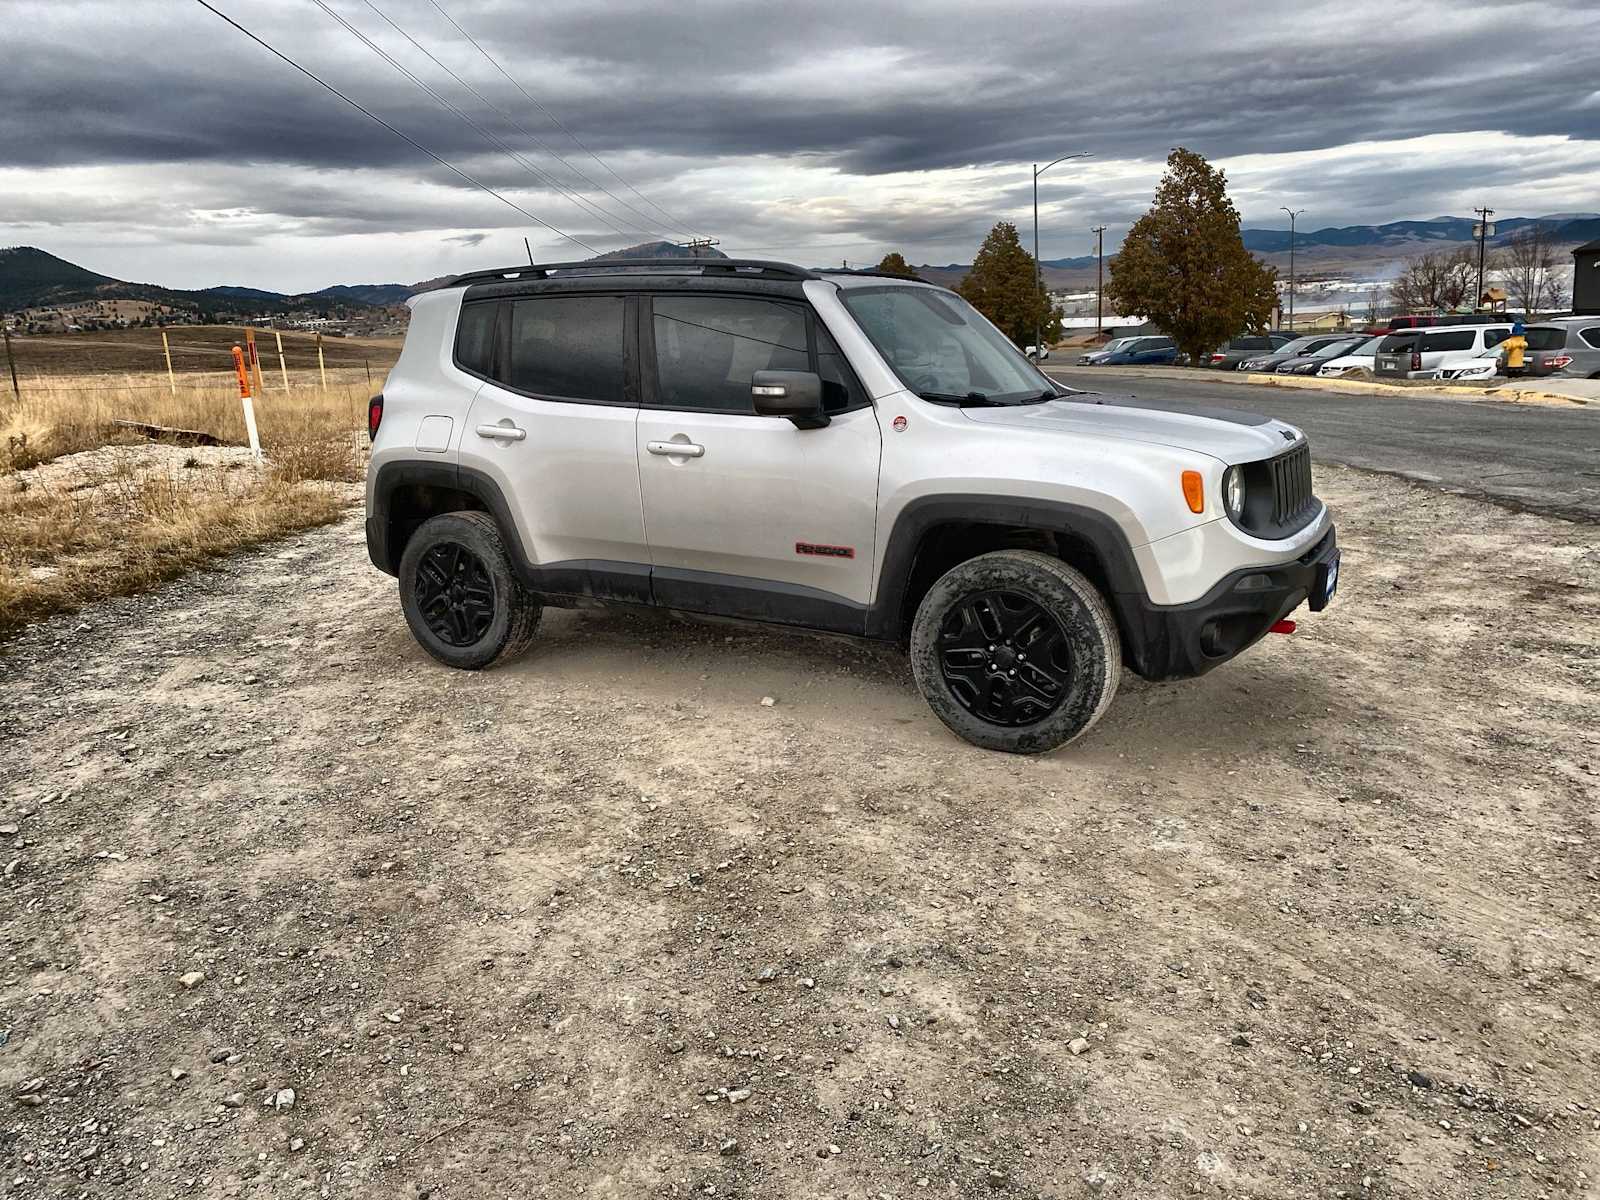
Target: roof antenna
{"points": [[529, 249]]}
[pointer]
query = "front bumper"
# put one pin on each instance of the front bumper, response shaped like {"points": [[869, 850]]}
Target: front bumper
{"points": [[1178, 641]]}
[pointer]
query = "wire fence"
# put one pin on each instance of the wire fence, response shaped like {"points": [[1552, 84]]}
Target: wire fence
{"points": [[117, 363]]}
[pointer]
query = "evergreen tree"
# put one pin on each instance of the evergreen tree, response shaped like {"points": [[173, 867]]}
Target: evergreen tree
{"points": [[1003, 287], [1183, 264], [894, 263]]}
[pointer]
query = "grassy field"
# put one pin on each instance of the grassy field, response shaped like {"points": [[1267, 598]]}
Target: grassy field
{"points": [[89, 509]]}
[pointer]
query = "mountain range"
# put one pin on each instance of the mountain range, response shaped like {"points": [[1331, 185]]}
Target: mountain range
{"points": [[30, 277]]}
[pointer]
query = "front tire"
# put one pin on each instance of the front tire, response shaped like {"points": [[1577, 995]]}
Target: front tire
{"points": [[460, 593], [1016, 651]]}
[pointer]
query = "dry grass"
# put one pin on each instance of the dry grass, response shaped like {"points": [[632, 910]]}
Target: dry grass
{"points": [[79, 522]]}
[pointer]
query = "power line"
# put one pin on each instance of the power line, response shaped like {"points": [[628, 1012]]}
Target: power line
{"points": [[538, 173], [672, 221], [405, 137], [520, 128]]}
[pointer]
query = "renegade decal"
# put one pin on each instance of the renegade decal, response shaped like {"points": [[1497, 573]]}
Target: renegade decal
{"points": [[824, 551]]}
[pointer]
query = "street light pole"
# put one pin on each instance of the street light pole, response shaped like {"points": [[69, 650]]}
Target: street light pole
{"points": [[1293, 213], [1038, 269], [1099, 232]]}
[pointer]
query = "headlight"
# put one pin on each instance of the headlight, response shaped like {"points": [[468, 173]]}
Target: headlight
{"points": [[1233, 491]]}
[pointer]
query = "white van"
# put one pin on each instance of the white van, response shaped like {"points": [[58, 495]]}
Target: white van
{"points": [[1423, 359]]}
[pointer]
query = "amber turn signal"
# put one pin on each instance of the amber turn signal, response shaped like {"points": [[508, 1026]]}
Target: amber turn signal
{"points": [[1194, 491]]}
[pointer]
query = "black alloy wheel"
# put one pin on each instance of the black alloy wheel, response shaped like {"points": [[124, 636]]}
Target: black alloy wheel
{"points": [[1004, 658], [455, 594]]}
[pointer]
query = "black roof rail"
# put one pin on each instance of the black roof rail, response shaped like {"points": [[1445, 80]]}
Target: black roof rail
{"points": [[758, 268], [873, 271]]}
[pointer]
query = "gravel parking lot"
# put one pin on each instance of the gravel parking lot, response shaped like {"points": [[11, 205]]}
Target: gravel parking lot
{"points": [[290, 910]]}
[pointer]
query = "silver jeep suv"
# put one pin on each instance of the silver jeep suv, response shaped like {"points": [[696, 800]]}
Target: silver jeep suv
{"points": [[846, 452]]}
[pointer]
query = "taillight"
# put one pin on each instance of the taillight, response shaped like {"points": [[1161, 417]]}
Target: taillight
{"points": [[1559, 361], [374, 416], [1218, 357], [1416, 361]]}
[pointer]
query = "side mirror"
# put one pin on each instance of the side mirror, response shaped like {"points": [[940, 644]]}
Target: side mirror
{"points": [[793, 394]]}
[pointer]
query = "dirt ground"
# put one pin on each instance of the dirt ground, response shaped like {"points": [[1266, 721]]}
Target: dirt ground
{"points": [[1323, 923]]}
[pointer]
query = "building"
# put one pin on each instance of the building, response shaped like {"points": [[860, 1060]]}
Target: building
{"points": [[1586, 279]]}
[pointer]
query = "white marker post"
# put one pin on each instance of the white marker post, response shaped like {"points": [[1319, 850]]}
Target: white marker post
{"points": [[322, 367], [243, 372], [282, 366]]}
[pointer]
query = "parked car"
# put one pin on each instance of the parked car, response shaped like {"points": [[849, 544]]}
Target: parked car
{"points": [[1094, 358], [1427, 352], [1567, 346], [1307, 364], [1240, 348], [1485, 364], [1149, 351], [1301, 345], [830, 451], [1361, 358]]}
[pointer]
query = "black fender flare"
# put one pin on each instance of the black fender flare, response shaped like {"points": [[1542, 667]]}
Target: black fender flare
{"points": [[886, 617]]}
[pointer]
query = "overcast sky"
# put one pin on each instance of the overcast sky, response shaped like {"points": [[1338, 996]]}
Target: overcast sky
{"points": [[150, 141]]}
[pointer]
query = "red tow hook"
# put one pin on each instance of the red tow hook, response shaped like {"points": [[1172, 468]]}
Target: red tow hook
{"points": [[1282, 627]]}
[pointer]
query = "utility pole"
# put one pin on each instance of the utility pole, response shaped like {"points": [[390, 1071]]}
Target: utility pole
{"points": [[1099, 232], [1293, 213], [1483, 231], [695, 245], [1038, 270]]}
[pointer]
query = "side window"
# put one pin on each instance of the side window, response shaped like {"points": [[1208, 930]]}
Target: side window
{"points": [[708, 347], [475, 337], [1592, 336], [1493, 337], [568, 348], [840, 391], [1454, 340]]}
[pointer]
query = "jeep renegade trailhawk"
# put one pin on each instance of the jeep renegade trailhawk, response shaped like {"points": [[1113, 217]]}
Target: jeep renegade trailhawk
{"points": [[840, 451]]}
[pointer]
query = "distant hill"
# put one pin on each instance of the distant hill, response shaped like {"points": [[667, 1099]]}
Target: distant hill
{"points": [[658, 250], [34, 278]]}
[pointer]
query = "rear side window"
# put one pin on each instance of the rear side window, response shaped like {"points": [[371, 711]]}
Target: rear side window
{"points": [[568, 348], [1454, 339], [708, 347], [475, 337], [1397, 341], [1592, 336], [1160, 343], [1546, 337], [1493, 337]]}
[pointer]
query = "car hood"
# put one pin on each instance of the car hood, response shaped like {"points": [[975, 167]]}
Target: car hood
{"points": [[1222, 433]]}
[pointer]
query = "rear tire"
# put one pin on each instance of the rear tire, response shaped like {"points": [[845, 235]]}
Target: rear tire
{"points": [[460, 593], [971, 644]]}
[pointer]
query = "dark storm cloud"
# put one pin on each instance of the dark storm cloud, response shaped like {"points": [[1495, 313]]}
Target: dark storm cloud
{"points": [[866, 88], [774, 126]]}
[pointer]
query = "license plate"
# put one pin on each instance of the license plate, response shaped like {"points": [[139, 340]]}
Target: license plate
{"points": [[1327, 583]]}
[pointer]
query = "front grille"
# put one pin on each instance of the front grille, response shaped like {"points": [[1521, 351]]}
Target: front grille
{"points": [[1291, 485]]}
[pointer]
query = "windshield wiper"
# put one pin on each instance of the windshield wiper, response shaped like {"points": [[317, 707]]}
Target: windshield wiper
{"points": [[970, 400]]}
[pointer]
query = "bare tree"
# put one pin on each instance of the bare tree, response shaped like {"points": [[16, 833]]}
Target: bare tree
{"points": [[1529, 268], [1444, 279]]}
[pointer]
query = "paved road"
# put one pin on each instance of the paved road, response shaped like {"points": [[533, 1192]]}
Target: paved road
{"points": [[1536, 457]]}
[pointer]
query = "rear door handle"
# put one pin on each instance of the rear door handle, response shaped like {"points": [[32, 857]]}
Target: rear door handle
{"points": [[509, 433], [683, 449]]}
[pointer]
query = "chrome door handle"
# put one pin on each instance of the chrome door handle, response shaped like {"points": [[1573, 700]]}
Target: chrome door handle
{"points": [[509, 433], [683, 449]]}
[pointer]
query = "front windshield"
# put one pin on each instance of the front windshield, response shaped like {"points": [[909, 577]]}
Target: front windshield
{"points": [[942, 349], [1335, 349], [1298, 346]]}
